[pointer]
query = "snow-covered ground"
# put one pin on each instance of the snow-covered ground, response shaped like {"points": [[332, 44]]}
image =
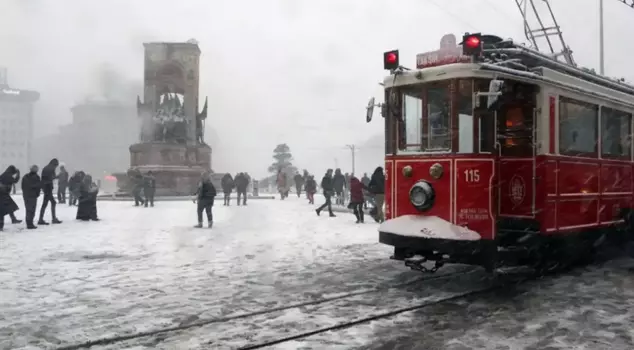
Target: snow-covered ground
{"points": [[140, 270]]}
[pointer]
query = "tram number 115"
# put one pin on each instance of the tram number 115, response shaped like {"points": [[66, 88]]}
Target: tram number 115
{"points": [[472, 175]]}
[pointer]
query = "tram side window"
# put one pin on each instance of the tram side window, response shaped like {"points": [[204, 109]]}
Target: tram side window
{"points": [[465, 116], [577, 128], [615, 133]]}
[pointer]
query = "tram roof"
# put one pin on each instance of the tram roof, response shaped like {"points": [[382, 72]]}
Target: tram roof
{"points": [[599, 88]]}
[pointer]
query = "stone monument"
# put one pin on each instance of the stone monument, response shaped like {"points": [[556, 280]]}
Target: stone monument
{"points": [[171, 139]]}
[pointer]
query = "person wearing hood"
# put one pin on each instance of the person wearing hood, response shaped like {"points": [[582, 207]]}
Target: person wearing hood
{"points": [[305, 177], [48, 176], [74, 185], [7, 206], [137, 186], [377, 188], [299, 182], [87, 205], [227, 185], [365, 180], [149, 188], [242, 183], [311, 188], [326, 186], [62, 185], [356, 198], [31, 188], [338, 184], [205, 196], [282, 184]]}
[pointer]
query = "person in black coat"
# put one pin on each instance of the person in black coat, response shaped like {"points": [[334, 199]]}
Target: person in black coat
{"points": [[338, 185], [87, 204], [74, 186], [311, 188], [137, 186], [48, 175], [242, 183], [299, 183], [149, 188], [205, 195], [305, 177], [73, 183], [62, 185], [31, 188], [377, 188], [7, 206], [227, 186], [326, 186]]}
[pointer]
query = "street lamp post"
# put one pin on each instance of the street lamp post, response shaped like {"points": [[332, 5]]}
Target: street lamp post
{"points": [[601, 43], [352, 149]]}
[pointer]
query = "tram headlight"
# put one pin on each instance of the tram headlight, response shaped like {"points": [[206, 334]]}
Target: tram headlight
{"points": [[436, 171], [422, 195]]}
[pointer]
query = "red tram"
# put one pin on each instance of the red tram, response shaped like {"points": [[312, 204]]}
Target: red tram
{"points": [[498, 155]]}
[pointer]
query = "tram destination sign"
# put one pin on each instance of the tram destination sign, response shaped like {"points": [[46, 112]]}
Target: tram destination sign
{"points": [[448, 53]]}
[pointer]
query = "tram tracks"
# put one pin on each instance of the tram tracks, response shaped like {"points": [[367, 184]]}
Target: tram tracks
{"points": [[383, 306], [355, 297]]}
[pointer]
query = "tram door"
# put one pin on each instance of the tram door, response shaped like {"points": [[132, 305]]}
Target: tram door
{"points": [[515, 117]]}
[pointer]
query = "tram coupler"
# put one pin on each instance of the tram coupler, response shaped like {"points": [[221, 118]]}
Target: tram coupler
{"points": [[417, 264]]}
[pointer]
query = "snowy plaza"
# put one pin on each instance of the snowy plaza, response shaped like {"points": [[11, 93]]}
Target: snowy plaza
{"points": [[144, 278]]}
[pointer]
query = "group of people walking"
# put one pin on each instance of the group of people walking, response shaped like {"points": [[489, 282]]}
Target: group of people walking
{"points": [[240, 182], [206, 193], [83, 192], [341, 187], [359, 190], [142, 184]]}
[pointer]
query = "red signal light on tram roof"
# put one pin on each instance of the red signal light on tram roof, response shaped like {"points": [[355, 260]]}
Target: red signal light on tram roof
{"points": [[390, 60], [473, 41], [472, 44]]}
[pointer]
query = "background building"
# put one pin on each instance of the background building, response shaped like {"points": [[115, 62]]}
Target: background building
{"points": [[96, 141], [16, 125]]}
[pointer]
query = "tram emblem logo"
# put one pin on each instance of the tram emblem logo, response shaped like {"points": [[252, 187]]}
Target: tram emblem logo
{"points": [[517, 190]]}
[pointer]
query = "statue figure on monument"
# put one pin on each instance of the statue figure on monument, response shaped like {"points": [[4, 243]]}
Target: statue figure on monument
{"points": [[200, 125], [169, 122]]}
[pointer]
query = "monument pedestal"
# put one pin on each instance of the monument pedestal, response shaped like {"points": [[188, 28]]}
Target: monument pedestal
{"points": [[176, 167]]}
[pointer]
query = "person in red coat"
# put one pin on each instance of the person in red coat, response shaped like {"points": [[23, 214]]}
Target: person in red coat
{"points": [[356, 198]]}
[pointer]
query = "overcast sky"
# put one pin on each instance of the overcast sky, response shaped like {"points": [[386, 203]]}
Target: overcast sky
{"points": [[275, 71]]}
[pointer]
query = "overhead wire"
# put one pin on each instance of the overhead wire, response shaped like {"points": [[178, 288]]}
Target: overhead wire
{"points": [[433, 2], [507, 16], [629, 3]]}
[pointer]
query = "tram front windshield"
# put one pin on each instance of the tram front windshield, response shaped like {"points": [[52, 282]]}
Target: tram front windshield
{"points": [[438, 117]]}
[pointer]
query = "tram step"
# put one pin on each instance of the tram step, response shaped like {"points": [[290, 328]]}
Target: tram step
{"points": [[514, 270], [415, 259]]}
